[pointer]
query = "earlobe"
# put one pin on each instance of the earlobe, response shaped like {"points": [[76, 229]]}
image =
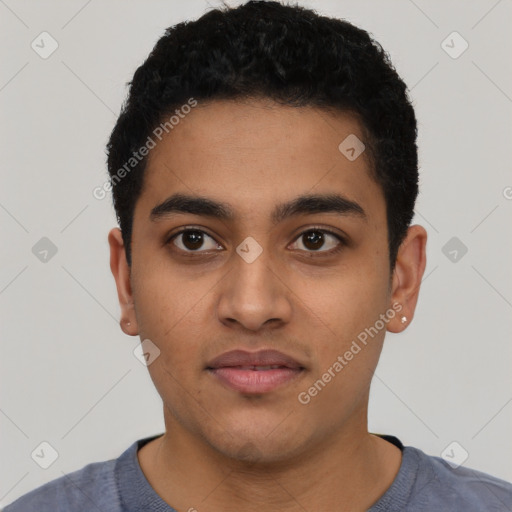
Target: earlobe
{"points": [[407, 275], [400, 320], [121, 272]]}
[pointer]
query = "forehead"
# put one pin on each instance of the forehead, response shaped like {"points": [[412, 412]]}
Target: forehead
{"points": [[256, 154]]}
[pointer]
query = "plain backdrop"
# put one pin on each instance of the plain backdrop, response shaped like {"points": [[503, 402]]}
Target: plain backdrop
{"points": [[68, 374]]}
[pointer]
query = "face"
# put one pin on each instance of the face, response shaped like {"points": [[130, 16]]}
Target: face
{"points": [[251, 274]]}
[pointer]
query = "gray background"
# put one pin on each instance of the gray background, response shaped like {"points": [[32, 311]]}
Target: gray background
{"points": [[69, 376]]}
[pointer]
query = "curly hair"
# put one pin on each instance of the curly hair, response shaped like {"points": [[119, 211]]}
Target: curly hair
{"points": [[286, 53]]}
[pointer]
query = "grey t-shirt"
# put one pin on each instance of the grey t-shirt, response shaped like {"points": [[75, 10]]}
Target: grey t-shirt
{"points": [[423, 484]]}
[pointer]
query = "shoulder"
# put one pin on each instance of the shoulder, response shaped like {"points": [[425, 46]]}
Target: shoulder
{"points": [[91, 488], [440, 486]]}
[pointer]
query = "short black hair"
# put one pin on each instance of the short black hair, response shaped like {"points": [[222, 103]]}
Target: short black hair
{"points": [[289, 54]]}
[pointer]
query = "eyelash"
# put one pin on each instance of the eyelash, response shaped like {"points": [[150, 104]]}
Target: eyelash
{"points": [[330, 252]]}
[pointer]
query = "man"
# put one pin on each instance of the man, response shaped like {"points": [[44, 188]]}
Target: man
{"points": [[264, 175]]}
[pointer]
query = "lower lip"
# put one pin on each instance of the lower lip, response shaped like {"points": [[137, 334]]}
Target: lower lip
{"points": [[255, 381]]}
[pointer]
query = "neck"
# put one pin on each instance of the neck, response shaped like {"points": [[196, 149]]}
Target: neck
{"points": [[345, 472]]}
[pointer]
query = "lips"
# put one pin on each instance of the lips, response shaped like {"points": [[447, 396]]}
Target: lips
{"points": [[260, 359], [254, 372]]}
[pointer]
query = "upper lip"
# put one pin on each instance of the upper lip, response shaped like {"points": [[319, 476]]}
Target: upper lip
{"points": [[261, 358]]}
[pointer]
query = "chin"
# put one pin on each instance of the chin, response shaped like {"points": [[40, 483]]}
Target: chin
{"points": [[258, 451], [259, 442]]}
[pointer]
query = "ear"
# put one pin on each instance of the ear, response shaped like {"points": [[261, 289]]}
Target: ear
{"points": [[407, 275], [121, 272]]}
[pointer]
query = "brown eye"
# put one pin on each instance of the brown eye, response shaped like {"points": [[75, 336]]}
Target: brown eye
{"points": [[315, 239], [192, 240]]}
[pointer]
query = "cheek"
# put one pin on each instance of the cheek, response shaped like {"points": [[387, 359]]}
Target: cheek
{"points": [[346, 300], [177, 342], [177, 335], [168, 299], [344, 309]]}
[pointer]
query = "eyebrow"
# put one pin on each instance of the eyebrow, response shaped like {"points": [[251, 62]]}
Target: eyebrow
{"points": [[303, 205]]}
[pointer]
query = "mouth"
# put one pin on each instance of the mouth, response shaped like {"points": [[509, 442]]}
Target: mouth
{"points": [[255, 373]]}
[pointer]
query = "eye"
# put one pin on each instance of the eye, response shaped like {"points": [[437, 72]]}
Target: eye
{"points": [[190, 240], [314, 239]]}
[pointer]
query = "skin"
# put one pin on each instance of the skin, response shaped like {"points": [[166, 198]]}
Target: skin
{"points": [[224, 450]]}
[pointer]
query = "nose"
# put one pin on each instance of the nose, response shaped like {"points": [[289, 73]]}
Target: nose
{"points": [[253, 295]]}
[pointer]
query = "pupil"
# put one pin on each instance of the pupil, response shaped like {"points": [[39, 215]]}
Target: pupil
{"points": [[315, 238], [193, 239]]}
